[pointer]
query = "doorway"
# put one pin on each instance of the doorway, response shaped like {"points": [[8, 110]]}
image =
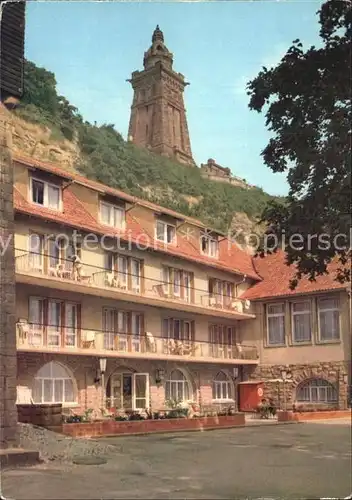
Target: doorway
{"points": [[129, 391]]}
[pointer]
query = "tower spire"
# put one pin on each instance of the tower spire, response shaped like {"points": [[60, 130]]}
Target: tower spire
{"points": [[158, 35]]}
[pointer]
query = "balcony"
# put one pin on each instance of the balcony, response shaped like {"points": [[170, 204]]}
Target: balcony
{"points": [[42, 338], [92, 280]]}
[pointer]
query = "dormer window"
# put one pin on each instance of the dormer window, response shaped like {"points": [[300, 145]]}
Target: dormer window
{"points": [[45, 194], [165, 232], [209, 245], [112, 215]]}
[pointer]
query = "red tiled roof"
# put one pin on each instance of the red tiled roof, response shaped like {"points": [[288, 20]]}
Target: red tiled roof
{"points": [[276, 276], [54, 169], [231, 257]]}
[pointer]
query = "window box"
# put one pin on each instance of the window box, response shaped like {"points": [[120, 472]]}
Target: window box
{"points": [[112, 427]]}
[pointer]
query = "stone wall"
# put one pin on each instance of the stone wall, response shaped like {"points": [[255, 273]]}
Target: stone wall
{"points": [[8, 413], [334, 372]]}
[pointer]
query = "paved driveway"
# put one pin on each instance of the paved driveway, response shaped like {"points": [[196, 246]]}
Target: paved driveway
{"points": [[287, 461]]}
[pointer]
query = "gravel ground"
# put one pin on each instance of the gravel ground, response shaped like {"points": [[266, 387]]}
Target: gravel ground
{"points": [[57, 447]]}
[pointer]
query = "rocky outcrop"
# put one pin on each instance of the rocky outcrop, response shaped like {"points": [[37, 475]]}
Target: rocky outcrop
{"points": [[39, 141]]}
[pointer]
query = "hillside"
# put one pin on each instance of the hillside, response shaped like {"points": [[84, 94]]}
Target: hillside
{"points": [[48, 127]]}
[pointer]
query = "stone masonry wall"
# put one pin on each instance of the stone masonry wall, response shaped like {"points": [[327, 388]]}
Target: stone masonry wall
{"points": [[333, 372], [8, 412]]}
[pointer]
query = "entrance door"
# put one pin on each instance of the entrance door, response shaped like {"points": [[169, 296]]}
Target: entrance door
{"points": [[140, 391], [130, 391], [127, 387]]}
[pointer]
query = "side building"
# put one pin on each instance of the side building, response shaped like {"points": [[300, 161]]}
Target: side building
{"points": [[303, 336]]}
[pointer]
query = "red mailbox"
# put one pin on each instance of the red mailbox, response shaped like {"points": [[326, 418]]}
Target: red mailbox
{"points": [[250, 394]]}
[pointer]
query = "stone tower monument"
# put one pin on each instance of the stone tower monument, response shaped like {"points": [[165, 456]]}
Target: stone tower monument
{"points": [[158, 116]]}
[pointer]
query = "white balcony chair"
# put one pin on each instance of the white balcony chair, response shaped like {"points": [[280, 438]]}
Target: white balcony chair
{"points": [[88, 339], [237, 306], [22, 330], [212, 301], [150, 342], [24, 395], [111, 280]]}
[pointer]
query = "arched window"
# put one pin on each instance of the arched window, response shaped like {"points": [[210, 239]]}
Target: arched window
{"points": [[177, 387], [53, 384], [316, 391], [222, 387]]}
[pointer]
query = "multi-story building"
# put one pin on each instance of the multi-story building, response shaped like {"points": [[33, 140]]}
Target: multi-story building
{"points": [[177, 311], [103, 275], [303, 335]]}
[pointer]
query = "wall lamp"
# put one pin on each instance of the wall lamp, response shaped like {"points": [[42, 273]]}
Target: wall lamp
{"points": [[159, 376]]}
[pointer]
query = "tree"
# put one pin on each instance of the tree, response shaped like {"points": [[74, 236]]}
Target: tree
{"points": [[40, 88], [307, 100]]}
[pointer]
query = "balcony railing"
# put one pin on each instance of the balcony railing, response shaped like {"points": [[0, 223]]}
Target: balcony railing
{"points": [[64, 270], [148, 345]]}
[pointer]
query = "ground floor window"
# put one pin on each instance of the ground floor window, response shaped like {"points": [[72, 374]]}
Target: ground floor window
{"points": [[222, 387], [53, 384], [316, 391], [177, 387]]}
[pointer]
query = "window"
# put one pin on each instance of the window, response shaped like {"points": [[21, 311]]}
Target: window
{"points": [[222, 292], [52, 322], [36, 250], [301, 322], [178, 329], [112, 215], [222, 387], [45, 194], [177, 283], [124, 268], [136, 275], [329, 319], [165, 232], [36, 321], [136, 330], [276, 324], [122, 329], [316, 391], [71, 324], [209, 245], [177, 387], [222, 341], [53, 384]]}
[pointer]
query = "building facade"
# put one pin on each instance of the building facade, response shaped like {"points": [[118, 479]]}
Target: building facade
{"points": [[124, 304], [303, 336], [158, 116]]}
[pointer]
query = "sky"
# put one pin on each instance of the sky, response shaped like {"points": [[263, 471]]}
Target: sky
{"points": [[93, 47]]}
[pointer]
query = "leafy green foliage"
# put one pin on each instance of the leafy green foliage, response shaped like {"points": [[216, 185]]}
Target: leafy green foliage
{"points": [[106, 157], [307, 98]]}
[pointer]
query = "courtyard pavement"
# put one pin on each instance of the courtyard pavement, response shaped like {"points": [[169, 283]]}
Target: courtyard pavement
{"points": [[275, 461]]}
